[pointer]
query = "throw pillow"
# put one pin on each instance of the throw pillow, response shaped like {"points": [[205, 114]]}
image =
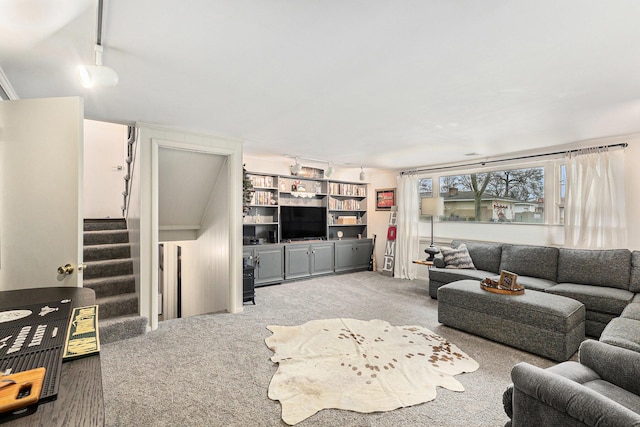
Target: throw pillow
{"points": [[457, 258]]}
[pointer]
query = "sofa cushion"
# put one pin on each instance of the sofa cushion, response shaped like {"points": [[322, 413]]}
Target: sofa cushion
{"points": [[614, 364], [485, 255], [595, 298], [533, 261], [610, 268], [534, 283], [622, 332], [457, 257], [632, 311], [447, 275], [634, 285], [617, 394]]}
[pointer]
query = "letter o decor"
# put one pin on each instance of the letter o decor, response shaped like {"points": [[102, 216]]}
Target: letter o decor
{"points": [[391, 233]]}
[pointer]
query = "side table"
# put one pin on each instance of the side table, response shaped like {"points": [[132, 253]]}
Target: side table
{"points": [[427, 263]]}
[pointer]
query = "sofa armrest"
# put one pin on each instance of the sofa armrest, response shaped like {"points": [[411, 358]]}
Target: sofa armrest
{"points": [[562, 399], [617, 365]]}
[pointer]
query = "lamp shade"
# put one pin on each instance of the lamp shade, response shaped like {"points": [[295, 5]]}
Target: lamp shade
{"points": [[432, 206], [98, 75]]}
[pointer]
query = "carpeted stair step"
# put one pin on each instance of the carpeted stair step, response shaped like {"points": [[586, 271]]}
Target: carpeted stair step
{"points": [[109, 251], [104, 224], [108, 268], [109, 273], [121, 327], [117, 305], [114, 285], [103, 237]]}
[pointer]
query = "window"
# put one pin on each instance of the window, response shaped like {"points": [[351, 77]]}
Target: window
{"points": [[562, 191], [514, 196], [425, 190]]}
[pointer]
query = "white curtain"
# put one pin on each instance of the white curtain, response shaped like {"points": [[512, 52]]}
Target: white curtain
{"points": [[595, 200], [407, 239]]}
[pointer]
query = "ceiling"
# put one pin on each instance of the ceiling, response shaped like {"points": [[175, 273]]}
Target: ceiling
{"points": [[379, 83], [180, 170]]}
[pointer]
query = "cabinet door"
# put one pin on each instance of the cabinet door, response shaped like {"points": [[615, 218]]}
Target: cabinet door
{"points": [[269, 265], [321, 258], [297, 262], [362, 254], [344, 256]]}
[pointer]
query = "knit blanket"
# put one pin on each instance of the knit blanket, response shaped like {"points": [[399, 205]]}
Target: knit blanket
{"points": [[363, 366]]}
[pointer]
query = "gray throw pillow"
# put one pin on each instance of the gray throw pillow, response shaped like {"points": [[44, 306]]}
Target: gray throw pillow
{"points": [[457, 257]]}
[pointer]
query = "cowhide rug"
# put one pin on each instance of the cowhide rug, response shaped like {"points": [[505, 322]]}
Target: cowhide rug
{"points": [[363, 366]]}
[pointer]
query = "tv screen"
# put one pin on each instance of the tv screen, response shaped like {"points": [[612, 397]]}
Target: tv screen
{"points": [[303, 222]]}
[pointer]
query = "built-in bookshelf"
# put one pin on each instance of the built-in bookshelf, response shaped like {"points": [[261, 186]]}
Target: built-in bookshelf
{"points": [[345, 204]]}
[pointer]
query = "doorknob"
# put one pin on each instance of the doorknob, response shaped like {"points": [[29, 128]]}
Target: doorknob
{"points": [[66, 270]]}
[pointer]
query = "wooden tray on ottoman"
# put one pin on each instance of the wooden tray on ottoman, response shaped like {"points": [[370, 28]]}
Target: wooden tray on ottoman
{"points": [[493, 286]]}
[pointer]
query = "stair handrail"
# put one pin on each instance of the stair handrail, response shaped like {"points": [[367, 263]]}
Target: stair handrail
{"points": [[132, 137]]}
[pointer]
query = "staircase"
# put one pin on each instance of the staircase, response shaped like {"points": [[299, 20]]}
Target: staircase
{"points": [[109, 273]]}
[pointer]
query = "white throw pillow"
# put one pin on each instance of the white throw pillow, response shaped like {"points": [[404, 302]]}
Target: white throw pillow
{"points": [[457, 257]]}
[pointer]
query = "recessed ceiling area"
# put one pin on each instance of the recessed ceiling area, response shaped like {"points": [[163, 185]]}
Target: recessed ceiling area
{"points": [[186, 180], [393, 85]]}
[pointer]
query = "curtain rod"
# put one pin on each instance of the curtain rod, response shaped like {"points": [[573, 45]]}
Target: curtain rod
{"points": [[531, 156]]}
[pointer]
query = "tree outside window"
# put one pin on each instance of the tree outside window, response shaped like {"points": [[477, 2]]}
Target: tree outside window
{"points": [[515, 195]]}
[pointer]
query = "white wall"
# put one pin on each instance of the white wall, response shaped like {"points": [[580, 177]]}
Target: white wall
{"points": [[104, 151], [214, 251]]}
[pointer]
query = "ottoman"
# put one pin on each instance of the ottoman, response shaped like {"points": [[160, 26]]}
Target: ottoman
{"points": [[548, 325]]}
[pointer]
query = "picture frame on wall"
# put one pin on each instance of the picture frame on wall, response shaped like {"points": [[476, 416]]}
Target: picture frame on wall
{"points": [[385, 199]]}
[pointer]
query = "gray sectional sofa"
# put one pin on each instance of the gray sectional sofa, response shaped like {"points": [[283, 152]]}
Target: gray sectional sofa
{"points": [[602, 389], [605, 281]]}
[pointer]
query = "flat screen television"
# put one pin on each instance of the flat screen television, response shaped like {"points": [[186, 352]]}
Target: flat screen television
{"points": [[303, 222]]}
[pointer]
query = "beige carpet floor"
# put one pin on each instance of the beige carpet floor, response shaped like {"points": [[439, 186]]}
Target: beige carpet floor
{"points": [[215, 370]]}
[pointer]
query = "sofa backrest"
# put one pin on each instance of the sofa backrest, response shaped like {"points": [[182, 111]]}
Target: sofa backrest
{"points": [[610, 268], [485, 255], [634, 284], [532, 261]]}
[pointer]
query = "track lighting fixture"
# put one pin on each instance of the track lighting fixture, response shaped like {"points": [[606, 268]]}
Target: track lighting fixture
{"points": [[362, 174], [98, 75], [296, 168]]}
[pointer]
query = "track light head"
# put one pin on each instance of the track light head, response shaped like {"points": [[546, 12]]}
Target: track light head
{"points": [[98, 75], [296, 168], [330, 170]]}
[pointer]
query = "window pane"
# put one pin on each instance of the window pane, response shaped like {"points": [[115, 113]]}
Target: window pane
{"points": [[425, 187], [515, 195]]}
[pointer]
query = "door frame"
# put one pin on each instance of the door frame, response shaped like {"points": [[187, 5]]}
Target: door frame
{"points": [[234, 169]]}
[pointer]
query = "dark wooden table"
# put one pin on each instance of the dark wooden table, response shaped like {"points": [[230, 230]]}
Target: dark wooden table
{"points": [[80, 401]]}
